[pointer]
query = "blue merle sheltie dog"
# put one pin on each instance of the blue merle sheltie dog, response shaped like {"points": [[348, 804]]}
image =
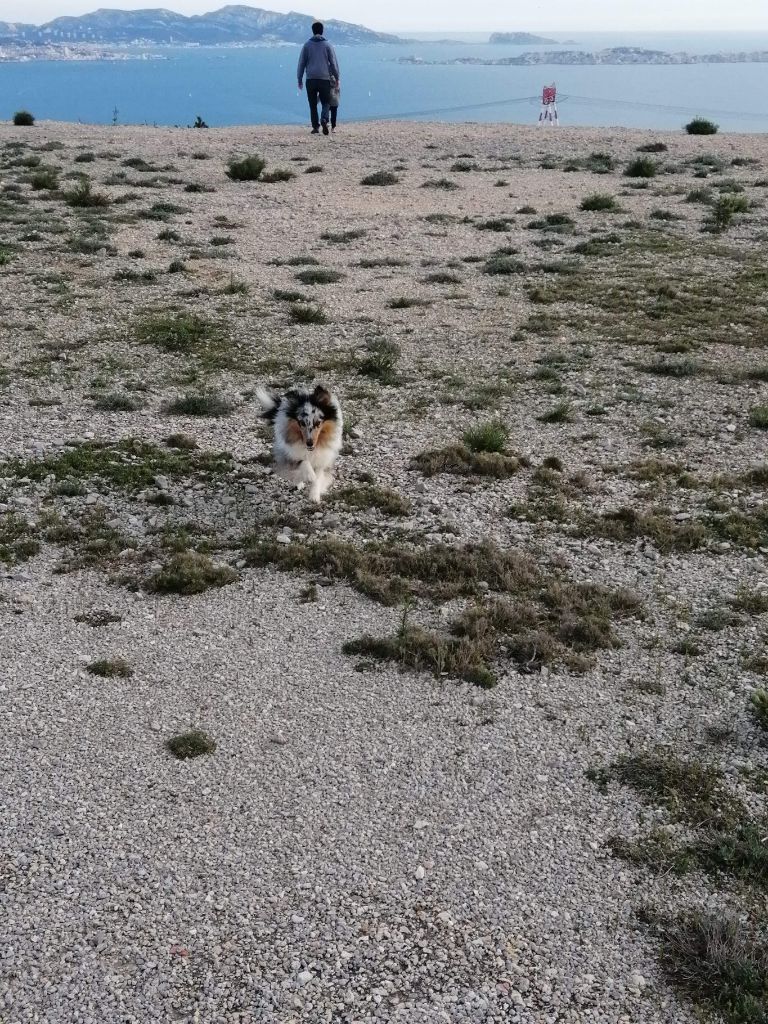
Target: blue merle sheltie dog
{"points": [[308, 436]]}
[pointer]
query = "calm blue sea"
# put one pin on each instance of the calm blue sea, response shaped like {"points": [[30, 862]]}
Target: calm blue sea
{"points": [[252, 85]]}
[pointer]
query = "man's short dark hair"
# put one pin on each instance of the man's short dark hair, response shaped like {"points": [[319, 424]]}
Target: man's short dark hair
{"points": [[317, 28]]}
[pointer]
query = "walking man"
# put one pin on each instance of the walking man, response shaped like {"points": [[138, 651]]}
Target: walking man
{"points": [[318, 61]]}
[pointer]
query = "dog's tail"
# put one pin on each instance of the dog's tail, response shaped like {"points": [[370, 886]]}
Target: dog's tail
{"points": [[269, 404]]}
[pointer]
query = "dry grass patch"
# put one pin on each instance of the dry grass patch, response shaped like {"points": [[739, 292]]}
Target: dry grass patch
{"points": [[692, 793], [111, 668], [18, 540], [370, 496], [200, 403], [190, 573], [721, 963], [546, 621], [459, 460], [128, 465], [190, 334], [190, 744]]}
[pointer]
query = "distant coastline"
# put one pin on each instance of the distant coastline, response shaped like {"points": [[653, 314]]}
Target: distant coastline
{"points": [[61, 52], [614, 56]]}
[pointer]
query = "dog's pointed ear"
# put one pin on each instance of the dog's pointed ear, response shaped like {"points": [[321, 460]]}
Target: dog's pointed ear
{"points": [[321, 395]]}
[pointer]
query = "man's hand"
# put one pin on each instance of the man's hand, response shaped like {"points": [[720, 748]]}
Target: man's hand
{"points": [[300, 86]]}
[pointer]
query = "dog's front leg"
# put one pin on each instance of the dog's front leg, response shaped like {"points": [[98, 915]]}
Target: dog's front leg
{"points": [[305, 474]]}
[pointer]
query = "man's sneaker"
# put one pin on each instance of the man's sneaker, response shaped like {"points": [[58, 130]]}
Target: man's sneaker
{"points": [[325, 129], [315, 131]]}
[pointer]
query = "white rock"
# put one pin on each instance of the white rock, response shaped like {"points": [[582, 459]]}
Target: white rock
{"points": [[420, 872]]}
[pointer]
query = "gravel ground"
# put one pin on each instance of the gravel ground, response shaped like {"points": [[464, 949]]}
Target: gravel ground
{"points": [[365, 843]]}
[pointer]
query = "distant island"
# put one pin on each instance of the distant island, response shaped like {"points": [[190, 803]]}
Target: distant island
{"points": [[614, 55], [72, 37], [520, 39]]}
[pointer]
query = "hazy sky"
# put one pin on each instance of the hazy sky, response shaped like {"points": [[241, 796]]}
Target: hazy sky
{"points": [[478, 16]]}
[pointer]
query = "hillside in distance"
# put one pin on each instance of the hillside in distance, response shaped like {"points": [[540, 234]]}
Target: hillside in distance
{"points": [[228, 25], [520, 39]]}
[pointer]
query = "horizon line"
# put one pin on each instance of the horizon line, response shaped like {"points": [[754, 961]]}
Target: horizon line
{"points": [[422, 29]]}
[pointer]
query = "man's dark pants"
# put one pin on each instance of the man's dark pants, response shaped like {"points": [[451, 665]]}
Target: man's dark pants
{"points": [[318, 89]]}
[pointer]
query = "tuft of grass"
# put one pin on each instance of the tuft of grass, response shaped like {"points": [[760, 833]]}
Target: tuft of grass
{"points": [[380, 361], [720, 963], [111, 668], [562, 413], [343, 236], [202, 403], [183, 442], [653, 147], [23, 119], [404, 302], [627, 523], [279, 174], [673, 368], [304, 313], [374, 262], [758, 417], [459, 460], [387, 501], [441, 183], [17, 540], [701, 126], [380, 178], [504, 265], [114, 401], [45, 179], [599, 201], [665, 215], [419, 649], [83, 196], [723, 211], [759, 703], [313, 169], [190, 573], [442, 277], [642, 167], [190, 744], [600, 163], [250, 168], [319, 275], [499, 224], [188, 334], [487, 437], [692, 792], [235, 287], [135, 276]]}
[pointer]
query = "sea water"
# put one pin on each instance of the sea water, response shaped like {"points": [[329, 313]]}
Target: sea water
{"points": [[257, 85]]}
